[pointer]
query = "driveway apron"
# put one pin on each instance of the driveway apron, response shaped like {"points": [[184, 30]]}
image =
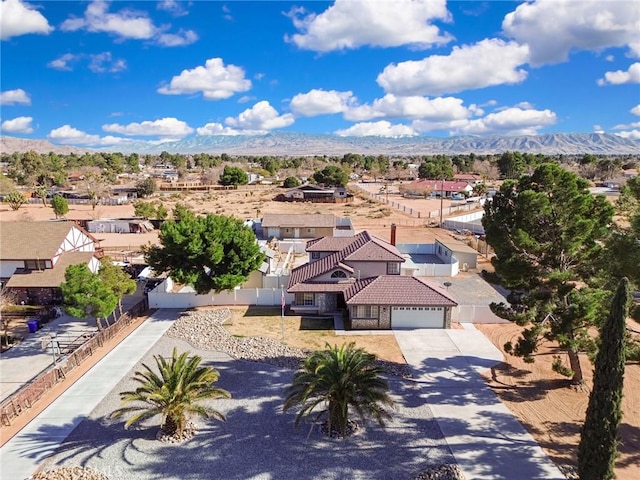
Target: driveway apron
{"points": [[486, 439]]}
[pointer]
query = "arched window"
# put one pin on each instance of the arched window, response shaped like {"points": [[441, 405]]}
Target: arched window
{"points": [[338, 274]]}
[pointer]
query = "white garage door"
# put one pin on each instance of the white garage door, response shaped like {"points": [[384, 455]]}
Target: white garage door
{"points": [[417, 317]]}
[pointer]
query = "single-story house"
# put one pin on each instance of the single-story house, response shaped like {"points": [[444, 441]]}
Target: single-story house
{"points": [[438, 188], [315, 193], [119, 225], [303, 225]]}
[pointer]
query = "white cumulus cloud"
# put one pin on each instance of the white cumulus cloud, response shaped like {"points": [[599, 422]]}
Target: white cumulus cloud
{"points": [[619, 77], [63, 62], [631, 134], [104, 62], [554, 28], [17, 125], [635, 110], [127, 24], [15, 97], [69, 135], [486, 63], [215, 80], [440, 109], [19, 18], [510, 121], [377, 129], [217, 129], [165, 127], [321, 102], [262, 116], [350, 24], [180, 39], [174, 7]]}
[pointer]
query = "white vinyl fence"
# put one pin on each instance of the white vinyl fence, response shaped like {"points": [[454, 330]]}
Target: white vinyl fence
{"points": [[163, 297], [475, 314]]}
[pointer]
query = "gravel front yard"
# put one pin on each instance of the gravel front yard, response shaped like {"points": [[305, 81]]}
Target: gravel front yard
{"points": [[257, 441]]}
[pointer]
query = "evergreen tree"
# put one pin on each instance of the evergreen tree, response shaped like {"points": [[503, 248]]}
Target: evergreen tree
{"points": [[233, 176], [598, 447], [209, 253], [60, 205], [547, 230], [84, 294]]}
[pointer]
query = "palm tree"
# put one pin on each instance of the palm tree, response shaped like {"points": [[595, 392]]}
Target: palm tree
{"points": [[175, 393], [339, 378]]}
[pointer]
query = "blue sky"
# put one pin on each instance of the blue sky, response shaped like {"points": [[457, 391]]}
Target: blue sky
{"points": [[103, 73]]}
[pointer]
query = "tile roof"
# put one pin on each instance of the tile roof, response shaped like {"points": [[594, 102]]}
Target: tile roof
{"points": [[320, 287], [31, 240], [376, 250], [50, 277], [358, 248], [301, 220], [397, 290]]}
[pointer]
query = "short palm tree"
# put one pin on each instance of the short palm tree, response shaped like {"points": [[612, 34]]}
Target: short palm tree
{"points": [[340, 378], [175, 393]]}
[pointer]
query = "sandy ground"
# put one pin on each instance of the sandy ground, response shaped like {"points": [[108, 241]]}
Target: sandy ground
{"points": [[552, 411], [249, 202], [541, 399]]}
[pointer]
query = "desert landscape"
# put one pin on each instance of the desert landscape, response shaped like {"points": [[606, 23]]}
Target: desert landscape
{"points": [[542, 400]]}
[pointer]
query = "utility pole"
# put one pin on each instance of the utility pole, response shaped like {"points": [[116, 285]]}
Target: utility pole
{"points": [[441, 201]]}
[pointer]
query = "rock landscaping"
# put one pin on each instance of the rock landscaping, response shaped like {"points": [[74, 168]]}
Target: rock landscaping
{"points": [[69, 473], [441, 472], [204, 329]]}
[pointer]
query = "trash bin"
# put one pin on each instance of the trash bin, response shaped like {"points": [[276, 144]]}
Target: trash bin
{"points": [[33, 326]]}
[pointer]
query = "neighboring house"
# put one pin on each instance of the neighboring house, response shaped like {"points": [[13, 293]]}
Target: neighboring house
{"points": [[471, 178], [439, 187], [119, 225], [283, 226], [35, 255], [254, 178], [362, 275], [315, 193], [256, 278]]}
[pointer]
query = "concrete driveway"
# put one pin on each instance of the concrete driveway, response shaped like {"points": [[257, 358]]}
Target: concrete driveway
{"points": [[486, 439]]}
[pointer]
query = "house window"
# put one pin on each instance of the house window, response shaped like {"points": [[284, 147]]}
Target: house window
{"points": [[367, 311], [338, 274], [36, 264], [311, 230], [304, 299], [315, 255], [393, 268]]}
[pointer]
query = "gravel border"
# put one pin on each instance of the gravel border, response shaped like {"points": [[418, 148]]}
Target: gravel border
{"points": [[258, 440]]}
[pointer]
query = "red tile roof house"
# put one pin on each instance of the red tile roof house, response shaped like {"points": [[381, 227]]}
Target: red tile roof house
{"points": [[35, 255], [362, 274]]}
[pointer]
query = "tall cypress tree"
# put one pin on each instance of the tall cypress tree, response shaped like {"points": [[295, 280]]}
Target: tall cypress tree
{"points": [[598, 447]]}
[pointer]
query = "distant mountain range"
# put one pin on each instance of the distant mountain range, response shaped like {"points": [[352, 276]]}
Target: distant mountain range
{"points": [[299, 144]]}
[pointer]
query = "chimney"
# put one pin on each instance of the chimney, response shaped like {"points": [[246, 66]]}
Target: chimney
{"points": [[393, 234]]}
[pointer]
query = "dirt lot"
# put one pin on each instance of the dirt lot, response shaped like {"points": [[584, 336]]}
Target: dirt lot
{"points": [[552, 411], [247, 202], [307, 332]]}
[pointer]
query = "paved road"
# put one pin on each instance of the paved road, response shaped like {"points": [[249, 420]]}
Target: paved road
{"points": [[486, 439], [21, 455]]}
